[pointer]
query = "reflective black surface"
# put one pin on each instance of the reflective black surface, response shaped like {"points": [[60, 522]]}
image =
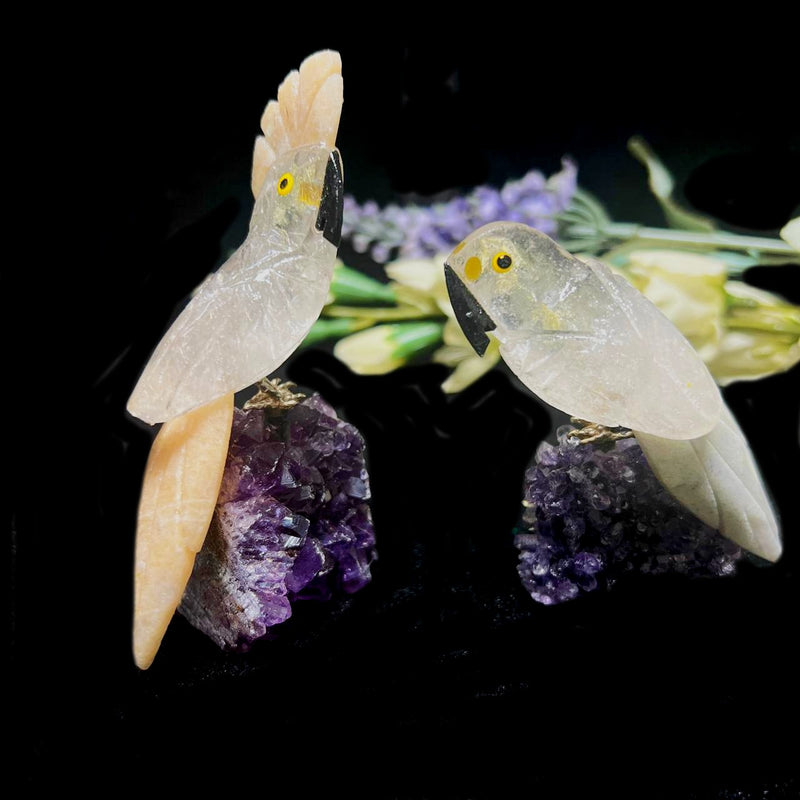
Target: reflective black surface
{"points": [[442, 679]]}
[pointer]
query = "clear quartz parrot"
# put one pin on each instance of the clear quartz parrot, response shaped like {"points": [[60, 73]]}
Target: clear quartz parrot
{"points": [[588, 343], [250, 315], [242, 323]]}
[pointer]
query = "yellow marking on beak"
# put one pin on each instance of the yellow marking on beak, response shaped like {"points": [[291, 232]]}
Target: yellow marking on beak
{"points": [[310, 194], [473, 268]]}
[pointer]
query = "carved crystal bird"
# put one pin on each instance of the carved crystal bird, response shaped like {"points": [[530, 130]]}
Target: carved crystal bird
{"points": [[244, 321], [250, 315], [588, 343]]}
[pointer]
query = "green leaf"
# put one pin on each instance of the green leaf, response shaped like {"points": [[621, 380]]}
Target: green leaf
{"points": [[379, 313], [351, 287], [662, 186]]}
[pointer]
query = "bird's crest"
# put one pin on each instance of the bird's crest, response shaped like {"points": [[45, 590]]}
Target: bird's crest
{"points": [[306, 112]]}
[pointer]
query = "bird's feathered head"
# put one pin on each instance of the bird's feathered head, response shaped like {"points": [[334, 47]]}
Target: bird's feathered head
{"points": [[500, 278]]}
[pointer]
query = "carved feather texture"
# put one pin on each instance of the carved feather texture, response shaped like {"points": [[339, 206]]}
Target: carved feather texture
{"points": [[307, 111], [716, 477], [179, 494]]}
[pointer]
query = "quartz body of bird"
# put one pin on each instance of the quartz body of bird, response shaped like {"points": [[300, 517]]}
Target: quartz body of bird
{"points": [[589, 344]]}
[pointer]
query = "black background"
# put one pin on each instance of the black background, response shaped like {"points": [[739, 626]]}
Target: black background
{"points": [[442, 679]]}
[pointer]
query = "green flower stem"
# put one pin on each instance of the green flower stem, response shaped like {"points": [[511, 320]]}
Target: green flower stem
{"points": [[376, 314], [585, 204], [711, 239]]}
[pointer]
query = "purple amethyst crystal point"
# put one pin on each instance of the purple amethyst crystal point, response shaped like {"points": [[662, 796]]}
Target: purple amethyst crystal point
{"points": [[292, 522], [594, 512]]}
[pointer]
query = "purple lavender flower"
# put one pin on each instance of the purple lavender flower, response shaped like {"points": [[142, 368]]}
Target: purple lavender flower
{"points": [[593, 513], [292, 522], [416, 231]]}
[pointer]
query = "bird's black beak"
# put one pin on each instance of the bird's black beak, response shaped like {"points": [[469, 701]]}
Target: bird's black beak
{"points": [[331, 204], [474, 321]]}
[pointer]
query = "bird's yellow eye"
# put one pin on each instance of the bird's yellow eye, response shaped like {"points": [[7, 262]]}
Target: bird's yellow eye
{"points": [[285, 183], [501, 262]]}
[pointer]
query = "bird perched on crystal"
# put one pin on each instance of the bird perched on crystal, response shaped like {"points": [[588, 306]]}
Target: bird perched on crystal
{"points": [[589, 344], [242, 323]]}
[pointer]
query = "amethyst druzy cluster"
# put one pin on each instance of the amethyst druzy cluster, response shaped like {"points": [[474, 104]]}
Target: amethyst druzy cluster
{"points": [[292, 522], [596, 511]]}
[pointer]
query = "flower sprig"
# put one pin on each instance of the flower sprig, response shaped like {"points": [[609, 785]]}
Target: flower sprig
{"points": [[403, 321], [586, 227], [690, 270], [423, 231]]}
